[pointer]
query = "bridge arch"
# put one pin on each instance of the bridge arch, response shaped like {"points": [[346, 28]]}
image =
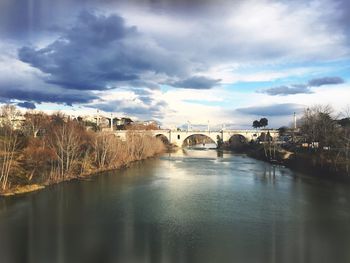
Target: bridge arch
{"points": [[199, 138], [163, 138], [229, 136], [237, 138], [237, 141]]}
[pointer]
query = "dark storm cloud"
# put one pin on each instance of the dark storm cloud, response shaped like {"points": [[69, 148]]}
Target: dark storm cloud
{"points": [[325, 81], [272, 110], [97, 52], [79, 59], [197, 82], [25, 19], [27, 105], [302, 88], [286, 90], [100, 52], [141, 111], [344, 18], [18, 17], [26, 85], [136, 84], [142, 91], [45, 95], [22, 17], [93, 30]]}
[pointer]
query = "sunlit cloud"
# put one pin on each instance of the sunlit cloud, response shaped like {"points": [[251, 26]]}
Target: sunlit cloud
{"points": [[215, 61]]}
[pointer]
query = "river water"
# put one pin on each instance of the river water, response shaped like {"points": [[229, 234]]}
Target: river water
{"points": [[190, 206]]}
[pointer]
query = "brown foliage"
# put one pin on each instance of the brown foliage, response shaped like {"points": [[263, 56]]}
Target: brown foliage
{"points": [[8, 155], [142, 145], [108, 151], [66, 140], [34, 122], [64, 150], [138, 127], [111, 152], [36, 158]]}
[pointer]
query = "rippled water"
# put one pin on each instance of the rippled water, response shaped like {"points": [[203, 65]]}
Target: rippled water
{"points": [[192, 206]]}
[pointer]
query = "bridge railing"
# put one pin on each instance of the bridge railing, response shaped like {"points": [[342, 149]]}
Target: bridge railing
{"points": [[202, 131]]}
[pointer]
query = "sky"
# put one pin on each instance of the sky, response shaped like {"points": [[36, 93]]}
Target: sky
{"points": [[224, 62]]}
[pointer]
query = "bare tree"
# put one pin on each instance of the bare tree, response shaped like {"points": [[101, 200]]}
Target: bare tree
{"points": [[34, 122], [65, 140], [346, 111], [8, 142], [8, 146], [103, 147], [319, 125], [345, 123], [142, 145], [9, 114]]}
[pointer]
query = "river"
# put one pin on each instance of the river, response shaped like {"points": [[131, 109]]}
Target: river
{"points": [[190, 206]]}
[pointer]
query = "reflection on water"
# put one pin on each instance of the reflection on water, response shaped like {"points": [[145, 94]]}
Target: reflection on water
{"points": [[191, 206], [202, 146]]}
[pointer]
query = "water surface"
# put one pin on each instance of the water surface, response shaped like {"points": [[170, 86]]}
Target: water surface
{"points": [[193, 206]]}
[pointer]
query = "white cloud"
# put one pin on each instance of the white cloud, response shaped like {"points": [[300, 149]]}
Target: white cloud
{"points": [[249, 31], [249, 41]]}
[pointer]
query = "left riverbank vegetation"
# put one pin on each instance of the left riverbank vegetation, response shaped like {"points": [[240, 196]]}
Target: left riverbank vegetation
{"points": [[319, 143], [45, 149]]}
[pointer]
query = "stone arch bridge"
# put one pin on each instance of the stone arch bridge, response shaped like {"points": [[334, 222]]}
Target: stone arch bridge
{"points": [[179, 137]]}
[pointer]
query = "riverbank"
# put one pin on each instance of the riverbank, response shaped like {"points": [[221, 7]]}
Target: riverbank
{"points": [[318, 166], [311, 163], [23, 189], [66, 151]]}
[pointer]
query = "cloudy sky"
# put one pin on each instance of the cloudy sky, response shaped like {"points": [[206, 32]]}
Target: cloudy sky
{"points": [[226, 62]]}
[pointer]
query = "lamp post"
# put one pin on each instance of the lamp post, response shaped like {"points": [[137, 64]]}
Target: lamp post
{"points": [[294, 128], [98, 118], [111, 121]]}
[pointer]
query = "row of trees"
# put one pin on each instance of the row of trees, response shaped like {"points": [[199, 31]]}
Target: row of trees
{"points": [[318, 125], [328, 133], [45, 149], [322, 138], [262, 123]]}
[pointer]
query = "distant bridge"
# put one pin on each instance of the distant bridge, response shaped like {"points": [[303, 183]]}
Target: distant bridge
{"points": [[179, 137]]}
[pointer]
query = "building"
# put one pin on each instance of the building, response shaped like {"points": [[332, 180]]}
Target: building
{"points": [[16, 122]]}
